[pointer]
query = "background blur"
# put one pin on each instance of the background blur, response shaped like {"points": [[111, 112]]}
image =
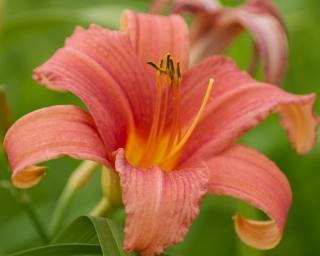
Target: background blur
{"points": [[31, 30]]}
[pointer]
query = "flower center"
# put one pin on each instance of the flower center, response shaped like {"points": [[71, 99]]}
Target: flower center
{"points": [[166, 136]]}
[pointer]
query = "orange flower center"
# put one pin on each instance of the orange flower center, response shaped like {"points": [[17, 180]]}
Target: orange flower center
{"points": [[166, 138]]}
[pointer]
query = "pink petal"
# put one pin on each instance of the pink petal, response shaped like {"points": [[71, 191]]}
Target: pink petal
{"points": [[158, 6], [238, 104], [113, 52], [216, 27], [270, 38], [244, 173], [160, 206], [211, 30], [209, 6], [101, 68], [195, 81], [47, 134], [154, 36]]}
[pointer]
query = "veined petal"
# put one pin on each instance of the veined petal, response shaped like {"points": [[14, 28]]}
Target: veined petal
{"points": [[160, 206], [238, 104], [154, 36], [100, 83], [226, 77], [244, 173], [47, 134], [114, 53]]}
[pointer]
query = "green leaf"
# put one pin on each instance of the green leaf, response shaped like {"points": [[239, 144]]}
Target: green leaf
{"points": [[95, 230], [62, 250]]}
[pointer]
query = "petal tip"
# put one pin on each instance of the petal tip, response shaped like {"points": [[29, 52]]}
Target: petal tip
{"points": [[28, 177], [262, 235]]}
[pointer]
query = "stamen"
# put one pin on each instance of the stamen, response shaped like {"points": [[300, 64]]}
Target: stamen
{"points": [[194, 123], [152, 64], [164, 140], [175, 123], [178, 72], [156, 119]]}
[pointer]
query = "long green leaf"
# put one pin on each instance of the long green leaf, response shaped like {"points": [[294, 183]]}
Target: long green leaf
{"points": [[62, 250], [87, 235], [96, 230]]}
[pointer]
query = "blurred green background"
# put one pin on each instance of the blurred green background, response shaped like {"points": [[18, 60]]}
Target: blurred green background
{"points": [[31, 30]]}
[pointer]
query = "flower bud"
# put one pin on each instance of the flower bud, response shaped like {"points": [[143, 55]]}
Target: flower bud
{"points": [[111, 187]]}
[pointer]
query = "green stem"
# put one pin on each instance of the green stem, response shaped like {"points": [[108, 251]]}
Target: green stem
{"points": [[102, 209], [60, 210], [77, 181], [25, 202], [24, 199]]}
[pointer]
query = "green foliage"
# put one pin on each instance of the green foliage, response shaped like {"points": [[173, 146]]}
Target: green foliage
{"points": [[95, 230], [62, 250], [87, 235]]}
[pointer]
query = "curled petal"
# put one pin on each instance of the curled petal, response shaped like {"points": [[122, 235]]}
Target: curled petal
{"points": [[160, 206], [238, 104], [215, 27], [262, 235], [301, 125], [28, 177], [244, 173], [154, 36], [271, 41], [100, 67], [47, 134]]}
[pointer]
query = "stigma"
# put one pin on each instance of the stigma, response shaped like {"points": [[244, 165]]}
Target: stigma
{"points": [[167, 136]]}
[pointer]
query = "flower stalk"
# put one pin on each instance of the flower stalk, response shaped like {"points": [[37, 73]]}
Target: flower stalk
{"points": [[102, 209], [25, 201], [77, 181]]}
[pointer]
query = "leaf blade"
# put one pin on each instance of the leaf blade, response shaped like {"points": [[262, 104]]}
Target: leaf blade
{"points": [[97, 230], [62, 250]]}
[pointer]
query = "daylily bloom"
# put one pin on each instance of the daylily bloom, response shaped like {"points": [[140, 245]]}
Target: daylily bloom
{"points": [[215, 27], [169, 132]]}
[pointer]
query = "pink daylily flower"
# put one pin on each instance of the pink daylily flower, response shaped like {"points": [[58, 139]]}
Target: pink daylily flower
{"points": [[165, 129], [215, 27]]}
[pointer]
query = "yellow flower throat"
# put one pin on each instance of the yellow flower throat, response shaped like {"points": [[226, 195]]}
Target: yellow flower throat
{"points": [[165, 140]]}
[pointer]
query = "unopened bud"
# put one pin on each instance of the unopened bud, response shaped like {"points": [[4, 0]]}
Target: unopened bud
{"points": [[111, 187]]}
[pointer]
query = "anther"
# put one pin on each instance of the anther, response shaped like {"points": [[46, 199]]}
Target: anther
{"points": [[152, 64], [178, 72]]}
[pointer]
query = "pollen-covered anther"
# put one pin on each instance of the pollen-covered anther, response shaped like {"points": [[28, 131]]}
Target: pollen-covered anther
{"points": [[171, 70]]}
